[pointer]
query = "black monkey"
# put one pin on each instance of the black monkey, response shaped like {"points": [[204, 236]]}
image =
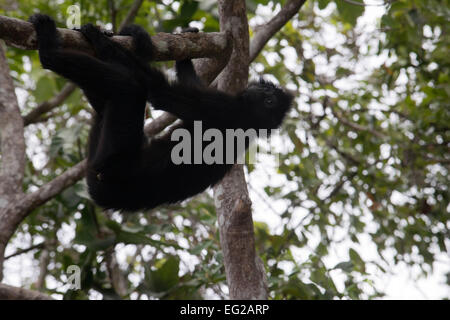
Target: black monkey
{"points": [[124, 170]]}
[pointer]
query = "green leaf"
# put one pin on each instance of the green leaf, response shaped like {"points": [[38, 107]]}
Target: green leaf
{"points": [[346, 266], [357, 261], [45, 89], [165, 276], [56, 146], [204, 245], [187, 10], [323, 4], [350, 12]]}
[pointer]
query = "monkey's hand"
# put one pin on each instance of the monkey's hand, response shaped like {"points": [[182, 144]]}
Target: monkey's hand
{"points": [[45, 27], [143, 46]]}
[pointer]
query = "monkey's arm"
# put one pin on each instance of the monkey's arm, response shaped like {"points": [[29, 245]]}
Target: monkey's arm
{"points": [[186, 73], [191, 102]]}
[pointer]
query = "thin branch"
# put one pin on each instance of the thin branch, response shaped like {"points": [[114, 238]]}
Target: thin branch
{"points": [[44, 259], [399, 113], [52, 188], [263, 199], [131, 14], [356, 126], [34, 115], [22, 251], [366, 4], [341, 183], [159, 124], [116, 276], [210, 68], [266, 31], [437, 160], [20, 206], [348, 157], [113, 12], [14, 293]]}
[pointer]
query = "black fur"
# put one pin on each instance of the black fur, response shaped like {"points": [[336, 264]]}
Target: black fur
{"points": [[124, 171]]}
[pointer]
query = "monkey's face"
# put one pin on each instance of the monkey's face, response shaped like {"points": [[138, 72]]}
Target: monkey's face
{"points": [[267, 103]]}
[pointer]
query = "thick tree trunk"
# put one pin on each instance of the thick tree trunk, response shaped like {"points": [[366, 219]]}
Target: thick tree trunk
{"points": [[13, 153], [244, 270]]}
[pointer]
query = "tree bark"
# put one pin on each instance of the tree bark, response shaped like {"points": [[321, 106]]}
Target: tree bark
{"points": [[20, 34], [245, 273], [13, 152], [13, 293]]}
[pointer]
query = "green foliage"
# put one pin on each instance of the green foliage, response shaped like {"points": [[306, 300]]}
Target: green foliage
{"points": [[45, 89], [349, 11], [165, 276]]}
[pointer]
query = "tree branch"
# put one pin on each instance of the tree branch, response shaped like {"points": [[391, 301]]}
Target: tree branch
{"points": [[367, 4], [13, 152], [131, 14], [113, 12], [52, 188], [34, 115], [116, 276], [266, 31], [20, 206], [11, 133], [159, 124], [356, 126], [20, 34], [345, 178], [22, 251], [44, 259], [14, 293], [244, 270]]}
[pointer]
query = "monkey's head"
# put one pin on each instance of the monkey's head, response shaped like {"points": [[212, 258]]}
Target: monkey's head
{"points": [[267, 103]]}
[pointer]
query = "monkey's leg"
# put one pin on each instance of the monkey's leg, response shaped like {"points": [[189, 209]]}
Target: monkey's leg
{"points": [[186, 73], [92, 75], [185, 70], [105, 48], [94, 137]]}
